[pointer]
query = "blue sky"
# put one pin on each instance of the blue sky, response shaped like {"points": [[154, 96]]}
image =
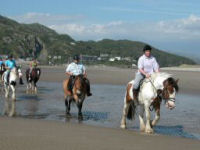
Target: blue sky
{"points": [[170, 25]]}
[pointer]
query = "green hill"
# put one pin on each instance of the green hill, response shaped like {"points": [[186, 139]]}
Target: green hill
{"points": [[35, 40]]}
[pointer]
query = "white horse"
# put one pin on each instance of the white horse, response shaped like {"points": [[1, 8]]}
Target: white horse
{"points": [[13, 76], [159, 86]]}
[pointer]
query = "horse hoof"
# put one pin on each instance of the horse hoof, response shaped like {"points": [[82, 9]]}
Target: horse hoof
{"points": [[149, 131], [123, 126], [68, 114]]}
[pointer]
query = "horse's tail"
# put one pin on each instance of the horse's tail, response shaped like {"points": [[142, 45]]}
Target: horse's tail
{"points": [[131, 110]]}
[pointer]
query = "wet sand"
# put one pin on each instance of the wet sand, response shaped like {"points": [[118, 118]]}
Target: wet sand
{"points": [[189, 81], [23, 134]]}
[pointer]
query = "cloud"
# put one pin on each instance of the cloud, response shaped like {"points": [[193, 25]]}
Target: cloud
{"points": [[47, 19], [181, 29], [172, 34]]}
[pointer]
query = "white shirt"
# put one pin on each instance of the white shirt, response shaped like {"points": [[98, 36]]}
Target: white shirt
{"points": [[148, 64], [75, 69]]}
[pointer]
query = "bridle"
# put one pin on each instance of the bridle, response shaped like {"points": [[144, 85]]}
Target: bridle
{"points": [[160, 94]]}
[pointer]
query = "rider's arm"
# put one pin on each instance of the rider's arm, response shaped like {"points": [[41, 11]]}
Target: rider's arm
{"points": [[68, 70]]}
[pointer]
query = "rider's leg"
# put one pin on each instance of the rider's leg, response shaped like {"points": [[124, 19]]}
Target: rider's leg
{"points": [[71, 83], [6, 76], [138, 78], [88, 87]]}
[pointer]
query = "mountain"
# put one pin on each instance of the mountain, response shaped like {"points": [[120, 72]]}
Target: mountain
{"points": [[36, 40]]}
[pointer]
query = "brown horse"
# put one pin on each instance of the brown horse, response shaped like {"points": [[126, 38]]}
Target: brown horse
{"points": [[77, 95]]}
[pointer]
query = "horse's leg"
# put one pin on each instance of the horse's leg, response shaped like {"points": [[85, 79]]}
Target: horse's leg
{"points": [[6, 104], [148, 128], [157, 116], [79, 105], [141, 118], [124, 114], [35, 88], [13, 103], [67, 104]]}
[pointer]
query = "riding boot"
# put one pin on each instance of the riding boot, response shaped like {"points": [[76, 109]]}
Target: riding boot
{"points": [[71, 84], [88, 87], [135, 96]]}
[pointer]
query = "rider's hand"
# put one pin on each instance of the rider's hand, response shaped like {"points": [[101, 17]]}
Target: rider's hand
{"points": [[148, 75]]}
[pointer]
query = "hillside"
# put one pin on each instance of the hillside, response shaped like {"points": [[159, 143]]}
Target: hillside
{"points": [[35, 40]]}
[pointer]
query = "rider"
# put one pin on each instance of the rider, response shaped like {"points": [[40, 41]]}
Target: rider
{"points": [[74, 69], [9, 65], [147, 65], [33, 65]]}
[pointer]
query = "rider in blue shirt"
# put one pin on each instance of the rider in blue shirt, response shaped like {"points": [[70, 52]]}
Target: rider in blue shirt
{"points": [[9, 65]]}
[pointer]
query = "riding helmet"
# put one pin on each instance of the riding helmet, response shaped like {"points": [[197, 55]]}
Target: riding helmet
{"points": [[76, 57], [147, 48]]}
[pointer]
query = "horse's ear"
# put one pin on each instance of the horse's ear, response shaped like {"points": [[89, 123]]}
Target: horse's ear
{"points": [[177, 81]]}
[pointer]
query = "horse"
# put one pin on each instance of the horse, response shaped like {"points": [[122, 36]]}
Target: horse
{"points": [[2, 70], [152, 91], [32, 78], [11, 83], [77, 95]]}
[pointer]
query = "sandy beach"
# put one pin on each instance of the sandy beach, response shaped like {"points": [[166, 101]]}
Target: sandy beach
{"points": [[22, 134], [189, 78]]}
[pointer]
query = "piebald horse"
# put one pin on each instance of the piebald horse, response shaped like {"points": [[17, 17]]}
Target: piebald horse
{"points": [[159, 86], [32, 79], [13, 76], [78, 95]]}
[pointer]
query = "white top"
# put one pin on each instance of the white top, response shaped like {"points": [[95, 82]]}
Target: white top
{"points": [[148, 64], [75, 69]]}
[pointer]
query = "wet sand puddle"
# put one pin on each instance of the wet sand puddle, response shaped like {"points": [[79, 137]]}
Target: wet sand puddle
{"points": [[104, 109]]}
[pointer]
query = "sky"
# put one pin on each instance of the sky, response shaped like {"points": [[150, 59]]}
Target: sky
{"points": [[173, 26]]}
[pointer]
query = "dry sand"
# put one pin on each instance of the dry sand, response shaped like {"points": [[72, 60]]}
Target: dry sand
{"points": [[25, 134]]}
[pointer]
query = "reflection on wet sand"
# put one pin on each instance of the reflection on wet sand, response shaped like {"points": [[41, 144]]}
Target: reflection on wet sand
{"points": [[105, 108]]}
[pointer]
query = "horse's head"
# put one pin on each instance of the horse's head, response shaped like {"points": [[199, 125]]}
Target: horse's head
{"points": [[79, 87], [169, 92]]}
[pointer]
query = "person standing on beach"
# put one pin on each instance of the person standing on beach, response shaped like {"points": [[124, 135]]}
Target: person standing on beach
{"points": [[74, 69], [147, 65]]}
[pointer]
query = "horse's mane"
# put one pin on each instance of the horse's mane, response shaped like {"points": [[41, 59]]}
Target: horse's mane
{"points": [[167, 77], [161, 74]]}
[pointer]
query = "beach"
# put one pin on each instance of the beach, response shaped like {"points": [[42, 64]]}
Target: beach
{"points": [[21, 133], [189, 78]]}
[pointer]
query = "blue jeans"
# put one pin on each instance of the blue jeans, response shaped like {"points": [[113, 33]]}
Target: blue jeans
{"points": [[6, 75], [138, 78]]}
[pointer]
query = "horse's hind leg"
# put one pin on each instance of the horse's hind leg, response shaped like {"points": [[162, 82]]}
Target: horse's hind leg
{"points": [[124, 114]]}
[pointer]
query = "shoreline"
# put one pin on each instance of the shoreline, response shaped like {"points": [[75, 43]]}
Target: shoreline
{"points": [[19, 133], [189, 81]]}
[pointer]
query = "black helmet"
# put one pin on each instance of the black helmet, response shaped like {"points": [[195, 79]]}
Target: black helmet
{"points": [[147, 48], [76, 57], [10, 56]]}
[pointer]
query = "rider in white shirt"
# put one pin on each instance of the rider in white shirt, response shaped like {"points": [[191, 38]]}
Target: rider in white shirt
{"points": [[147, 65], [74, 69]]}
